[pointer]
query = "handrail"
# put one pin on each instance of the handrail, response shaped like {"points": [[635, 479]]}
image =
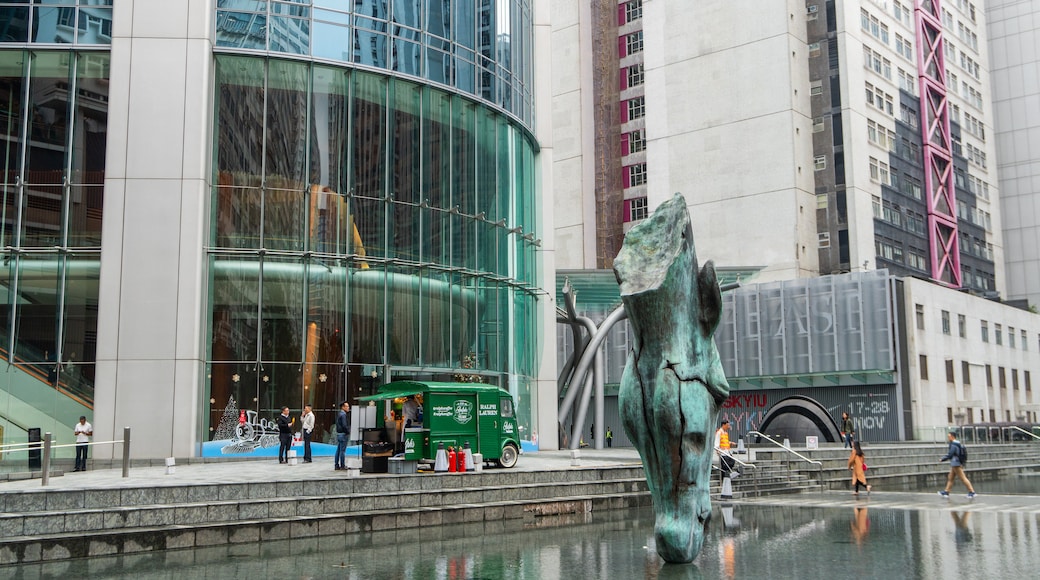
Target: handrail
{"points": [[789, 450], [1033, 435], [47, 446], [754, 477], [819, 464], [719, 450]]}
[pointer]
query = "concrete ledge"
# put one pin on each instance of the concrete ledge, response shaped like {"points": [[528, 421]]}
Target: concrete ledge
{"points": [[51, 547]]}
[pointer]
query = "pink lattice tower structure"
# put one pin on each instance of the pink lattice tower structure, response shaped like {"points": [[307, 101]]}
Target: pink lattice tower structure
{"points": [[937, 145]]}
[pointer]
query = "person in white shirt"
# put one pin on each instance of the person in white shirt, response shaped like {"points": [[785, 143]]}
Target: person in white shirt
{"points": [[307, 422], [411, 410], [83, 431]]}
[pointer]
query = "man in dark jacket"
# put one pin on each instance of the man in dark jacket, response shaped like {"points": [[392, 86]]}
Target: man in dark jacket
{"points": [[284, 435], [953, 455], [342, 434]]}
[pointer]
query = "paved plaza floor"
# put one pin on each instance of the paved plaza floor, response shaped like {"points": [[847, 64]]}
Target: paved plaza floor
{"points": [[269, 470]]}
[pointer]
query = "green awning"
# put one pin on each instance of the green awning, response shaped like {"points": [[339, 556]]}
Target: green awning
{"points": [[396, 389]]}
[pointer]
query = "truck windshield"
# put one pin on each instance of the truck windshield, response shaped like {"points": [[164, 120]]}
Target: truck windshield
{"points": [[507, 407]]}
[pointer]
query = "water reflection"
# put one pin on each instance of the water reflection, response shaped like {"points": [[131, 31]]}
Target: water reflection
{"points": [[744, 542]]}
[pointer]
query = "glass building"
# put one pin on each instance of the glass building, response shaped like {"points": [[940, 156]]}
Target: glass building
{"points": [[264, 203]]}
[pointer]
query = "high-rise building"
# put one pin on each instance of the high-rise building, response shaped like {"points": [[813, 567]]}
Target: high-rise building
{"points": [[214, 208], [809, 138], [1013, 29]]}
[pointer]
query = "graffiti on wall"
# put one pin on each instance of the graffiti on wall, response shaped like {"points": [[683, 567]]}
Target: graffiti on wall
{"points": [[873, 408]]}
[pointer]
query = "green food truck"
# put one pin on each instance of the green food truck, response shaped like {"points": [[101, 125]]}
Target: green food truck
{"points": [[455, 414]]}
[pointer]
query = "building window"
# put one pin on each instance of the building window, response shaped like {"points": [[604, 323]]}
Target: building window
{"points": [[949, 415], [823, 240], [989, 376], [638, 209], [966, 371], [1014, 379], [1001, 379], [984, 327], [634, 42], [636, 108], [636, 141], [1011, 337], [636, 174], [1024, 340], [1027, 379], [923, 363], [819, 162], [919, 311], [998, 334], [945, 322], [962, 326], [635, 75], [949, 370], [633, 10]]}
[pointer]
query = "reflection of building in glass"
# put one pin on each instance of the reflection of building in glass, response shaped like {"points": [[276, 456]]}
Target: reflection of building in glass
{"points": [[305, 200]]}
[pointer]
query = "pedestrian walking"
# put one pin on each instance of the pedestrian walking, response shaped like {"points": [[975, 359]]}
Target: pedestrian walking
{"points": [[307, 426], [610, 438], [284, 435], [722, 447], [858, 465], [957, 455], [847, 430], [342, 435], [83, 432]]}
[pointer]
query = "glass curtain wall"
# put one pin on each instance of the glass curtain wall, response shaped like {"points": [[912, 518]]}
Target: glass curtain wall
{"points": [[365, 229], [54, 116], [481, 47]]}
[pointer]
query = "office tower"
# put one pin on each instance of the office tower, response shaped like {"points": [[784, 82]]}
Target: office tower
{"points": [[809, 138], [1014, 45], [216, 208]]}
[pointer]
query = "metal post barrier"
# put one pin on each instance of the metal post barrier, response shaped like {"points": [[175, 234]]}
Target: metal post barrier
{"points": [[126, 452], [45, 475]]}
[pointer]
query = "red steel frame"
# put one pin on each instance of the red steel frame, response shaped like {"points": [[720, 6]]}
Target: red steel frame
{"points": [[938, 148]]}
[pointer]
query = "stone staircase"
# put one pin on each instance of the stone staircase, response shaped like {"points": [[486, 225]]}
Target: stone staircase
{"points": [[901, 466], [44, 525]]}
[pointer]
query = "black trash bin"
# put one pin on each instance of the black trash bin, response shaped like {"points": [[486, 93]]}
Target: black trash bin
{"points": [[35, 455], [375, 451]]}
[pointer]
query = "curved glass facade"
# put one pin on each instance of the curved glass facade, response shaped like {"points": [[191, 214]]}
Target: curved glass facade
{"points": [[365, 227], [479, 47]]}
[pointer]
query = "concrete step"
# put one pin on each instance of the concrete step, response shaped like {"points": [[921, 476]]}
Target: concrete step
{"points": [[46, 547], [184, 511]]}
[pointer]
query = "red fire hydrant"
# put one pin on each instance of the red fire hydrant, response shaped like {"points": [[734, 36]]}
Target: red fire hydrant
{"points": [[460, 456], [451, 459]]}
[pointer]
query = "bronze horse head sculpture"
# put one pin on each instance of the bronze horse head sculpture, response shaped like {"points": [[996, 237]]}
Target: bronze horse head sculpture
{"points": [[673, 382]]}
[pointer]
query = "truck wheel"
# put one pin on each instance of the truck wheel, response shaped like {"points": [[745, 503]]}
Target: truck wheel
{"points": [[509, 456]]}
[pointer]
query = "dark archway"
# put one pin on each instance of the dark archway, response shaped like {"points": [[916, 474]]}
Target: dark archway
{"points": [[797, 417]]}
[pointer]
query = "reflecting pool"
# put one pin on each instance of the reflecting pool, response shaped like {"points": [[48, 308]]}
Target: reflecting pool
{"points": [[930, 538]]}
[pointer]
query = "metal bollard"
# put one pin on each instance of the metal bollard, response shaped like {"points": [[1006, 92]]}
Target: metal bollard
{"points": [[45, 475], [126, 452]]}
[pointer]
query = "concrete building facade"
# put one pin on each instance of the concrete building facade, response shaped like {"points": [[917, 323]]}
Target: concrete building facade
{"points": [[1013, 27]]}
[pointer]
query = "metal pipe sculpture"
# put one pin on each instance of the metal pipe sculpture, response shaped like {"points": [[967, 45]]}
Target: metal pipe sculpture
{"points": [[673, 382]]}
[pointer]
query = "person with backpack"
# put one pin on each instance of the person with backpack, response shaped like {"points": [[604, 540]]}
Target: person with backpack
{"points": [[957, 455]]}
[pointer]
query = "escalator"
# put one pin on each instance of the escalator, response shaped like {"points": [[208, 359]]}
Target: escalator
{"points": [[42, 395]]}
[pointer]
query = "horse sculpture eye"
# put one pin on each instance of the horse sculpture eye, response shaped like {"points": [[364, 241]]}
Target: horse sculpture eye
{"points": [[694, 442]]}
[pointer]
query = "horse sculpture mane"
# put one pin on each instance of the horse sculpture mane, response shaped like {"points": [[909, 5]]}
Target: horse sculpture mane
{"points": [[673, 382]]}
